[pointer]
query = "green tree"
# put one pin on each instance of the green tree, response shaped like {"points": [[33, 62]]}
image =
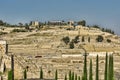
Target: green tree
{"points": [[25, 74], [90, 71], [41, 73], [78, 77], [111, 68], [1, 23], [97, 67], [83, 39], [71, 45], [75, 76], [88, 39], [70, 77], [85, 67], [83, 23], [65, 77], [76, 40], [106, 67], [99, 38], [56, 75], [10, 75], [66, 40]]}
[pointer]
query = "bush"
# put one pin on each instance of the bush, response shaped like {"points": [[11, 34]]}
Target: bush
{"points": [[99, 38], [71, 45], [66, 40], [2, 33], [76, 40], [19, 30], [108, 40]]}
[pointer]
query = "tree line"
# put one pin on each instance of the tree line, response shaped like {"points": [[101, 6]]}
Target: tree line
{"points": [[108, 72]]}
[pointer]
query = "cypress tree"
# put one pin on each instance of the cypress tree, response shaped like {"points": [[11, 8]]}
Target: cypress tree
{"points": [[83, 77], [78, 77], [70, 75], [56, 75], [65, 77], [90, 71], [41, 74], [75, 76], [10, 75], [85, 67], [111, 68], [25, 74], [112, 64], [12, 66], [106, 67], [97, 68]]}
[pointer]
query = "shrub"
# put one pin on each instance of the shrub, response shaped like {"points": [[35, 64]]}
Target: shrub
{"points": [[19, 30], [66, 40], [71, 45], [99, 38], [108, 40]]}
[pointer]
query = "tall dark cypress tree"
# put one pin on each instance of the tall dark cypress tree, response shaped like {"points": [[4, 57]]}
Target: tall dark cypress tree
{"points": [[75, 76], [25, 74], [10, 75], [97, 68], [12, 66], [112, 64], [111, 68], [85, 67], [90, 71], [41, 73], [70, 75], [78, 77], [56, 75], [65, 77], [106, 67]]}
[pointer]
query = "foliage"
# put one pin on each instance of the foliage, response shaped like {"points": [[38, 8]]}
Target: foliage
{"points": [[10, 75], [19, 30], [83, 39], [2, 33], [65, 77], [1, 23], [108, 40], [25, 74], [99, 38], [78, 77], [71, 45], [85, 67], [90, 71], [83, 23], [70, 77], [97, 68], [41, 74], [75, 76], [76, 40], [111, 68], [106, 67], [56, 75], [66, 40], [88, 39]]}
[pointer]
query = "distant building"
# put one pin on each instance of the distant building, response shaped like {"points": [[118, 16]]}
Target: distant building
{"points": [[34, 23]]}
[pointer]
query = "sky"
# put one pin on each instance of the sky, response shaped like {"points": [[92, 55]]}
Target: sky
{"points": [[105, 13]]}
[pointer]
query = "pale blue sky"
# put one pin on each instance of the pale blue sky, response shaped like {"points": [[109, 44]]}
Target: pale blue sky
{"points": [[105, 13]]}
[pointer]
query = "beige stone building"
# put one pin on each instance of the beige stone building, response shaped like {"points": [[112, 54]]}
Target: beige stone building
{"points": [[35, 23]]}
